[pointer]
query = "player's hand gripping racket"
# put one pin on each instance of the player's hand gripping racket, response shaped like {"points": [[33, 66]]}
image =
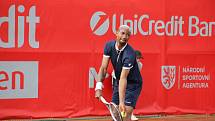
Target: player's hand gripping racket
{"points": [[114, 111]]}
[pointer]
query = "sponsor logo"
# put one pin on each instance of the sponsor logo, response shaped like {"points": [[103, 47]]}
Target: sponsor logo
{"points": [[168, 75], [188, 77], [99, 23], [195, 77], [128, 102], [144, 25], [18, 79]]}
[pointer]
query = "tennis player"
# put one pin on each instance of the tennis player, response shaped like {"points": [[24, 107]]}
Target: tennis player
{"points": [[128, 83], [140, 65]]}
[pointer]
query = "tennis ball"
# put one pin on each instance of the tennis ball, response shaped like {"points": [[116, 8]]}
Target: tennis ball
{"points": [[123, 114]]}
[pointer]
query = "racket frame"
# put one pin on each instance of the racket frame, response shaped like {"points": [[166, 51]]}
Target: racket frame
{"points": [[108, 105]]}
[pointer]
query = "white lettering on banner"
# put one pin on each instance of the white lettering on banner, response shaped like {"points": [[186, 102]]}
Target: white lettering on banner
{"points": [[193, 69], [196, 77], [31, 19], [158, 27], [18, 79], [202, 28], [189, 77], [195, 85], [172, 27], [93, 75]]}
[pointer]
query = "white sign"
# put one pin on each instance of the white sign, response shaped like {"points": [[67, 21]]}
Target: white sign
{"points": [[18, 79]]}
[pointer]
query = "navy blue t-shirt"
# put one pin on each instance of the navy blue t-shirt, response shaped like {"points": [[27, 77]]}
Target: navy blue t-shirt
{"points": [[124, 58]]}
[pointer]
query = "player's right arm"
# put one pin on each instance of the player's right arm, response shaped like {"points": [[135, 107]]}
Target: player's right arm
{"points": [[101, 76], [103, 70]]}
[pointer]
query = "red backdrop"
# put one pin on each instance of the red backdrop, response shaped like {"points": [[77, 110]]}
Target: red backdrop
{"points": [[66, 39]]}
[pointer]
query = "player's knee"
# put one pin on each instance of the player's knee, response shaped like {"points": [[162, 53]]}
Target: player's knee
{"points": [[129, 109]]}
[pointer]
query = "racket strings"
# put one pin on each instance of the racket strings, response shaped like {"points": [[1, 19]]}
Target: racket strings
{"points": [[115, 113]]}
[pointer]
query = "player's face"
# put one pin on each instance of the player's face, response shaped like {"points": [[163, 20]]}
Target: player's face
{"points": [[123, 35]]}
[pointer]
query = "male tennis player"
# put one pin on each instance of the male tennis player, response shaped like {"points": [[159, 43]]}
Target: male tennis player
{"points": [[128, 83], [140, 65]]}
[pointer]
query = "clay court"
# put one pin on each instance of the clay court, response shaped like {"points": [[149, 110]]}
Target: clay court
{"points": [[159, 118], [190, 117]]}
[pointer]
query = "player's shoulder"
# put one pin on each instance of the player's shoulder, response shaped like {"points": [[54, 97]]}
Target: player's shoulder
{"points": [[129, 50], [110, 43]]}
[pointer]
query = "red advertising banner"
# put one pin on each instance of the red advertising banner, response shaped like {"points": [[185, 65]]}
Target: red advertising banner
{"points": [[50, 54]]}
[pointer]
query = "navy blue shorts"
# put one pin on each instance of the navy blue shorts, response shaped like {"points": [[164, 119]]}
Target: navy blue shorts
{"points": [[131, 95]]}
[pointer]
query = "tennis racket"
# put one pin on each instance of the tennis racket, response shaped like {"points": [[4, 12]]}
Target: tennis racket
{"points": [[114, 111]]}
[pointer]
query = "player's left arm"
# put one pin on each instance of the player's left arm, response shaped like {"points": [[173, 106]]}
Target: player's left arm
{"points": [[128, 62], [122, 86]]}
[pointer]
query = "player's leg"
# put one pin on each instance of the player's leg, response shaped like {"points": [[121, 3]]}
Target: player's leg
{"points": [[131, 97], [115, 93], [129, 110]]}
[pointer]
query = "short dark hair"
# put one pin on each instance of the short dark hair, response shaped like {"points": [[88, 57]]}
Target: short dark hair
{"points": [[138, 54]]}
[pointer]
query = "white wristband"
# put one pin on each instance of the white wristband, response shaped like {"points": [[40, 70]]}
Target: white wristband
{"points": [[99, 86]]}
